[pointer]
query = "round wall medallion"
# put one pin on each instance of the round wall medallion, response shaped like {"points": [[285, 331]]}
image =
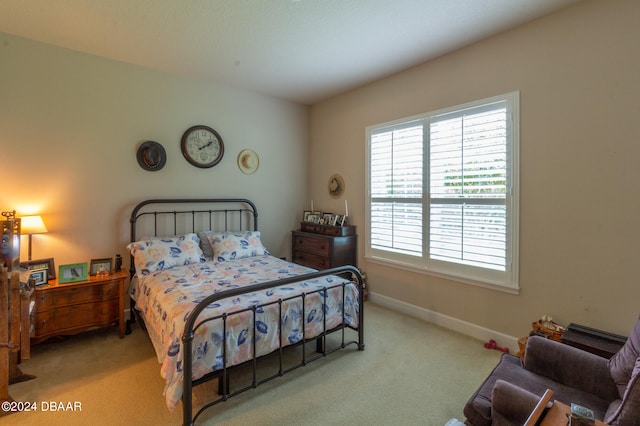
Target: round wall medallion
{"points": [[336, 185], [248, 161], [151, 156]]}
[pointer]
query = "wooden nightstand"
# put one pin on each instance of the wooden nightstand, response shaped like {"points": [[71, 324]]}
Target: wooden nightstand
{"points": [[65, 309], [324, 246]]}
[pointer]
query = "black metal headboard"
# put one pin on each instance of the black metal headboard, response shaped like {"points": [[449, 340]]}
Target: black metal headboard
{"points": [[164, 217]]}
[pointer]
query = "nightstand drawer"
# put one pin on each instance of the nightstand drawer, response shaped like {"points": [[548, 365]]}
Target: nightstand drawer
{"points": [[82, 315], [311, 244], [76, 294], [311, 260]]}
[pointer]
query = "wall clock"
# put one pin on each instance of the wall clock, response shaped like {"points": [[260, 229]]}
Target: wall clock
{"points": [[202, 146]]}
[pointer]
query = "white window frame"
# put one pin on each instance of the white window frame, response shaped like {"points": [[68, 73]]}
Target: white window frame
{"points": [[506, 280]]}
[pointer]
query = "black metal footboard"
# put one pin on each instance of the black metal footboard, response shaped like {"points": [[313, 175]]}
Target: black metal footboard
{"points": [[193, 323]]}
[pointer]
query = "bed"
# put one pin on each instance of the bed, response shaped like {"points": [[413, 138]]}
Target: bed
{"points": [[214, 300]]}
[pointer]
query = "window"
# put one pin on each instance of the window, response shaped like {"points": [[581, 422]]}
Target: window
{"points": [[442, 192]]}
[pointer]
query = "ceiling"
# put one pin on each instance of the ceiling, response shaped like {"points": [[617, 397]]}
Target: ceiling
{"points": [[300, 50]]}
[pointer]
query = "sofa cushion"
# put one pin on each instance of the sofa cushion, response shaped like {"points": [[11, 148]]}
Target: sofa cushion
{"points": [[510, 404], [627, 411], [622, 364], [567, 365]]}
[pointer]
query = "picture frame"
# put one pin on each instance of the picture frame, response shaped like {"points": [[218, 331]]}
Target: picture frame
{"points": [[105, 264], [73, 272], [313, 218], [305, 215], [39, 276], [47, 264], [328, 218]]}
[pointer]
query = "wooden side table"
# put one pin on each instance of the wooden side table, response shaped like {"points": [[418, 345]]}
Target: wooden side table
{"points": [[66, 309], [557, 416]]}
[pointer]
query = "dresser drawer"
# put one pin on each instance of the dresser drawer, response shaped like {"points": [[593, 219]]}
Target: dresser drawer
{"points": [[313, 244], [76, 294], [311, 260], [74, 316]]}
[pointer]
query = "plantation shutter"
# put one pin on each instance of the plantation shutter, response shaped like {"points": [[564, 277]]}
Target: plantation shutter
{"points": [[396, 185], [468, 187]]}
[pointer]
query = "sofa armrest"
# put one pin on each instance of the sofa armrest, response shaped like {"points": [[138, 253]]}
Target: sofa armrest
{"points": [[567, 365], [510, 404]]}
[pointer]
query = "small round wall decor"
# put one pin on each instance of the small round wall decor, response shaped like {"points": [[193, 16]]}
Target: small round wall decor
{"points": [[151, 156], [248, 161], [336, 185]]}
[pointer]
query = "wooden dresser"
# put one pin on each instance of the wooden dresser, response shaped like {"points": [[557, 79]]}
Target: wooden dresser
{"points": [[65, 309], [324, 246]]}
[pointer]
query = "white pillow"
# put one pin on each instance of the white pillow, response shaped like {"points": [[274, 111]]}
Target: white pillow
{"points": [[150, 255], [236, 245]]}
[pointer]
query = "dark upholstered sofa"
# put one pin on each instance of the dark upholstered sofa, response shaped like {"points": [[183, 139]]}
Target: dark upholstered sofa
{"points": [[610, 387]]}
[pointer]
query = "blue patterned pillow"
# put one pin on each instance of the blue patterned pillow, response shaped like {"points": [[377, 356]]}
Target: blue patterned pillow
{"points": [[155, 254], [236, 245]]}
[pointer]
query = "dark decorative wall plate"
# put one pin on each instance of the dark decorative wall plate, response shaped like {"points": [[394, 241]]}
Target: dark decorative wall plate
{"points": [[151, 156]]}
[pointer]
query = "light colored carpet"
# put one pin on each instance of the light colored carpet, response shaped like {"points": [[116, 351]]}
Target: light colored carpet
{"points": [[411, 373]]}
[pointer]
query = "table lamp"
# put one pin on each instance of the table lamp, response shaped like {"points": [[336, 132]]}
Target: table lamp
{"points": [[32, 225]]}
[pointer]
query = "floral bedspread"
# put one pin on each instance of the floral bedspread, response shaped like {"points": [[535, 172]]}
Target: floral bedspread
{"points": [[166, 298]]}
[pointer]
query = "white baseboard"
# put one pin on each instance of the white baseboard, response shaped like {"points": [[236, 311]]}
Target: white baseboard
{"points": [[464, 327]]}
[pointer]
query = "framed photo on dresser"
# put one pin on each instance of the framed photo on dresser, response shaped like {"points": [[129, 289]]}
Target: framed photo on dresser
{"points": [[100, 266], [73, 272], [41, 264]]}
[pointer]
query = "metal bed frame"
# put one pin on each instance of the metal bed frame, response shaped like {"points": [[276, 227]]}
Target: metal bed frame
{"points": [[230, 213]]}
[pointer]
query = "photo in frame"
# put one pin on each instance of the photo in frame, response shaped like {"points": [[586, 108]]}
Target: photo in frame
{"points": [[103, 266], [73, 272], [305, 215], [47, 264], [39, 276], [313, 218]]}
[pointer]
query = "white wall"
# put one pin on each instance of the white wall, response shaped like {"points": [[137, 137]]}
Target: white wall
{"points": [[70, 124], [578, 76]]}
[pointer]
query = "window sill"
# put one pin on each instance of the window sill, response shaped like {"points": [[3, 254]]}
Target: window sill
{"points": [[466, 280]]}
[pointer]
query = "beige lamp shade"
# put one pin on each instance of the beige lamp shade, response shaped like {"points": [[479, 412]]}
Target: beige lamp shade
{"points": [[32, 225]]}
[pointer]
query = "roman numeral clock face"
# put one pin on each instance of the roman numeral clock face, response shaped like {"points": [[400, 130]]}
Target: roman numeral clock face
{"points": [[202, 146]]}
